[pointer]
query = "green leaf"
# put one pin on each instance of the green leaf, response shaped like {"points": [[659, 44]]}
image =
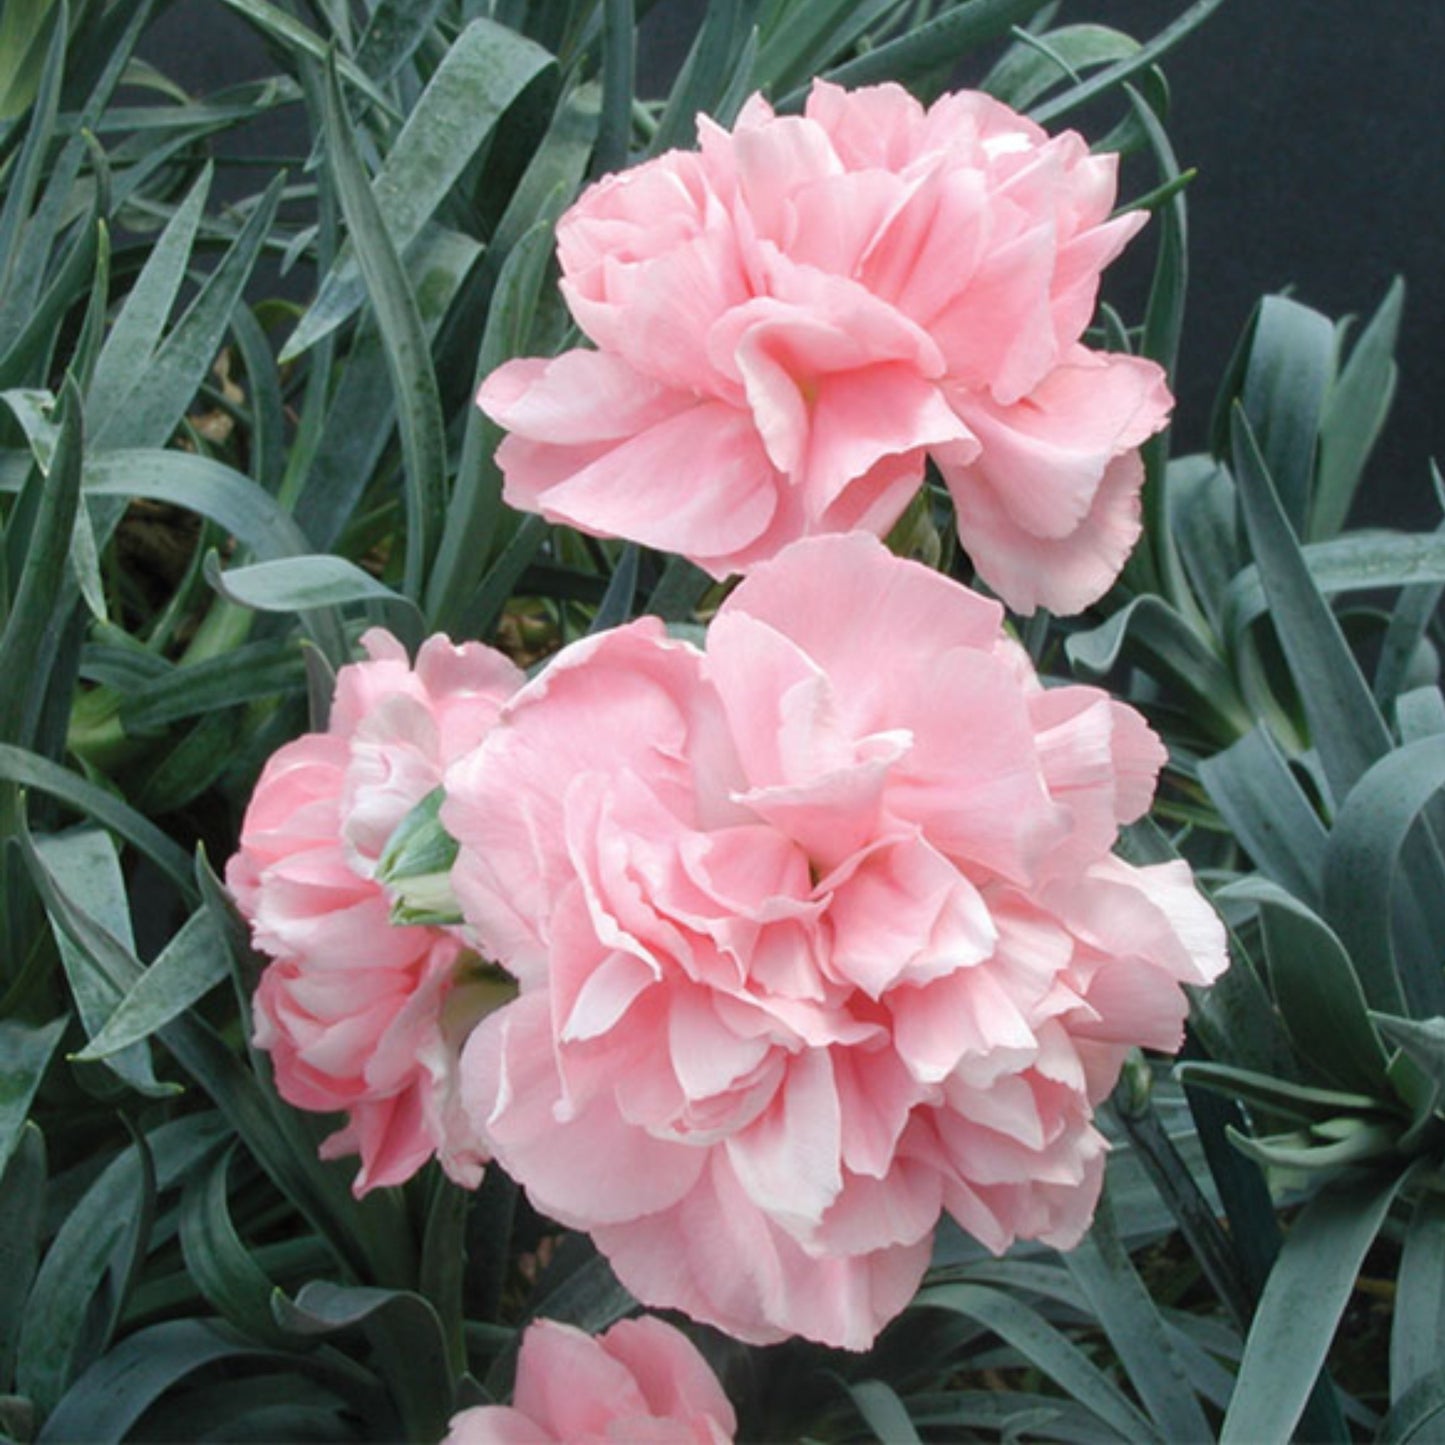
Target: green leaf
{"points": [[476, 503], [46, 564], [703, 78], [24, 1056], [1047, 1349], [1289, 372], [792, 50], [189, 966], [223, 1268], [1301, 1305], [883, 1412], [1145, 56], [393, 33], [410, 1345], [936, 44], [1359, 562], [22, 1216], [1317, 990], [30, 770], [1418, 1323], [22, 179], [614, 133], [159, 393], [1153, 636], [1262, 801], [81, 869], [1203, 514], [485, 69], [1361, 863], [102, 1239], [310, 584], [1354, 415], [1416, 1416], [1034, 64], [103, 1405], [1101, 1267], [408, 357], [1276, 1096], [244, 674], [292, 35], [1345, 724], [141, 321]]}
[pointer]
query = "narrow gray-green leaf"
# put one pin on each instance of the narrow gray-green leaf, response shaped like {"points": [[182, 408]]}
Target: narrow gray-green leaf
{"points": [[935, 44], [189, 966], [1345, 723], [223, 1268], [24, 1056], [486, 68], [1354, 414], [1303, 1299], [1101, 1267], [1033, 65], [1147, 54], [1047, 1349], [1290, 370], [1361, 863], [30, 770], [393, 33], [883, 1412], [1317, 989], [292, 35], [141, 320], [100, 1237], [152, 408], [1418, 1323], [619, 39], [303, 584], [22, 1217], [408, 357], [1251, 784], [46, 563]]}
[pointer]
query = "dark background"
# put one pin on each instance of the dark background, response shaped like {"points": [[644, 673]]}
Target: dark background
{"points": [[1318, 131]]}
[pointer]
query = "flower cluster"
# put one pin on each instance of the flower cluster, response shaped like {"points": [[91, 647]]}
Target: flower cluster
{"points": [[358, 1014], [790, 320], [816, 930]]}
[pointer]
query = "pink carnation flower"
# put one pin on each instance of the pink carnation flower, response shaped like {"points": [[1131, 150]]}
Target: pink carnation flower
{"points": [[640, 1383], [818, 934], [790, 320], [358, 1014]]}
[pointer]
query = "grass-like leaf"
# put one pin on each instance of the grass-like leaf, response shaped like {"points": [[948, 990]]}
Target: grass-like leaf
{"points": [[104, 1235], [1101, 1266], [1418, 1324], [1362, 861], [1354, 414], [140, 323], [1345, 723], [1267, 810], [408, 357], [485, 69], [1047, 1349], [26, 1052], [1301, 1305], [189, 966], [22, 1215]]}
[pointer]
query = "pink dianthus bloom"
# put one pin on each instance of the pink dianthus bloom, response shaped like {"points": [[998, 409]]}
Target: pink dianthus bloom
{"points": [[791, 319], [640, 1383], [818, 934], [359, 1014]]}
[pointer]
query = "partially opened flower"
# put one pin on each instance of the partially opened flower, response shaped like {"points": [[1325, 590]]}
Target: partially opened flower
{"points": [[791, 320], [818, 934], [359, 1014], [640, 1383]]}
